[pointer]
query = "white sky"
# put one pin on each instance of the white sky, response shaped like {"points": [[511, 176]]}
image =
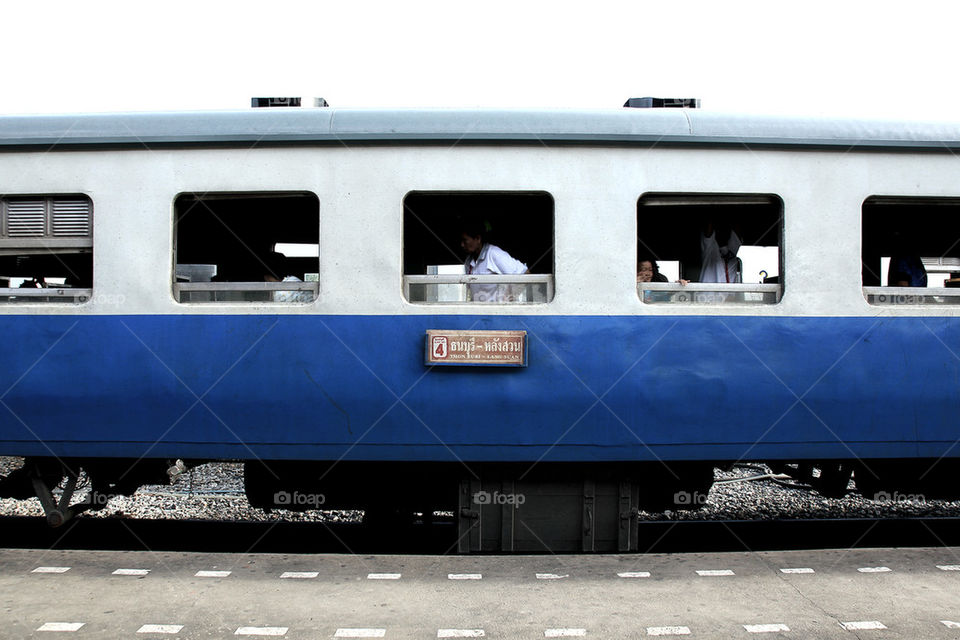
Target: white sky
{"points": [[870, 59]]}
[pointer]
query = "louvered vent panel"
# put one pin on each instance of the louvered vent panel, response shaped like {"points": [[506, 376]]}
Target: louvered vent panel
{"points": [[71, 218], [25, 219]]}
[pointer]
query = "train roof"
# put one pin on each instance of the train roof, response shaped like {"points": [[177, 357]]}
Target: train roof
{"points": [[326, 125]]}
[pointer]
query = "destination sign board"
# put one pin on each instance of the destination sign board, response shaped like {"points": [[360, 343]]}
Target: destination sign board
{"points": [[483, 348]]}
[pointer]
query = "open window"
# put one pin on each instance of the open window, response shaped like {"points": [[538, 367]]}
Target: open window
{"points": [[911, 250], [46, 248], [709, 248], [513, 259], [246, 247]]}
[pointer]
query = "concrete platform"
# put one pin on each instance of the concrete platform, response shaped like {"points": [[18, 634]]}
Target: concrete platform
{"points": [[871, 593]]}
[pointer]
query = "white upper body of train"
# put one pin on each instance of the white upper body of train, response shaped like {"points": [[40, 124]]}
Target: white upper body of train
{"points": [[591, 168]]}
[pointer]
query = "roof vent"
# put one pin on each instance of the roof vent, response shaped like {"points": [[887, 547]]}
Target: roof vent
{"points": [[663, 103], [274, 102]]}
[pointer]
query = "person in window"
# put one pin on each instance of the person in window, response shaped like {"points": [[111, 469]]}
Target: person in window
{"points": [[905, 265], [718, 263], [908, 270], [484, 258], [648, 271], [276, 266]]}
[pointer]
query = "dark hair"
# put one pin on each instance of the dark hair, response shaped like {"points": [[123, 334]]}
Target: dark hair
{"points": [[475, 227], [275, 264], [657, 276]]}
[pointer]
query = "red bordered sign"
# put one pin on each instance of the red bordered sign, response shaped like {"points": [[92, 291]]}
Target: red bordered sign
{"points": [[483, 348]]}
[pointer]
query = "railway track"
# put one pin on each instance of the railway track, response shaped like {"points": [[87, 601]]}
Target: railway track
{"points": [[440, 536]]}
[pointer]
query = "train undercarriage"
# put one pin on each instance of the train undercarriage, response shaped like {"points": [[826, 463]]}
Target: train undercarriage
{"points": [[55, 482], [502, 507]]}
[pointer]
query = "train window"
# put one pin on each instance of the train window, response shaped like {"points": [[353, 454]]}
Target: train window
{"points": [[246, 247], [506, 256], [911, 250], [46, 248], [709, 248]]}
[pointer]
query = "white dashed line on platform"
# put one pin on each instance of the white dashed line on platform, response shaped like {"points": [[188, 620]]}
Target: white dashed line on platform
{"points": [[261, 631], [160, 628], [668, 631], [564, 633], [948, 567], [634, 574], [300, 575], [863, 625], [552, 576], [60, 626], [360, 633], [51, 570], [715, 572], [766, 628], [211, 574], [797, 570], [383, 576], [874, 569], [131, 572], [465, 576], [949, 624], [460, 633]]}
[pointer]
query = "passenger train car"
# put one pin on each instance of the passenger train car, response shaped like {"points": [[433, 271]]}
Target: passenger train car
{"points": [[286, 287]]}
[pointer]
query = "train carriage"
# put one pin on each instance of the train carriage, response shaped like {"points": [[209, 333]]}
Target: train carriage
{"points": [[141, 326]]}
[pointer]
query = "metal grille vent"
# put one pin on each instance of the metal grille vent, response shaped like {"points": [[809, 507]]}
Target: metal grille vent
{"points": [[26, 219], [71, 217]]}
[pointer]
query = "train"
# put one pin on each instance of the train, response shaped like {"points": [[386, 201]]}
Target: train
{"points": [[286, 288]]}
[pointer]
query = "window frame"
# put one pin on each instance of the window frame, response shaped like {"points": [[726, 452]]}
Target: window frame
{"points": [[924, 297], [178, 289], [49, 242], [712, 293], [546, 280]]}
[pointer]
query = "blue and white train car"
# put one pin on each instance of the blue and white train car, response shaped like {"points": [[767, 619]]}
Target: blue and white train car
{"points": [[259, 285]]}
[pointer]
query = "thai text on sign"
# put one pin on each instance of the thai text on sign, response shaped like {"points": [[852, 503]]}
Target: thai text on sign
{"points": [[506, 348]]}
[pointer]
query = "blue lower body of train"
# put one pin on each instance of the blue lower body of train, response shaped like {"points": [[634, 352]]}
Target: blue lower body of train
{"points": [[596, 389]]}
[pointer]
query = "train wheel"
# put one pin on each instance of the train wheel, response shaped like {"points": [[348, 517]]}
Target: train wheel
{"points": [[46, 475], [834, 479]]}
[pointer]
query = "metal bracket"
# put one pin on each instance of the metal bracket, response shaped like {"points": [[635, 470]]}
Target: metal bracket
{"points": [[629, 514], [56, 512], [469, 520], [508, 514], [589, 515]]}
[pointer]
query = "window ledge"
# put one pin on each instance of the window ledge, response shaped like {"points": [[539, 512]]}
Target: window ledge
{"points": [[887, 296], [45, 294], [528, 288], [709, 293]]}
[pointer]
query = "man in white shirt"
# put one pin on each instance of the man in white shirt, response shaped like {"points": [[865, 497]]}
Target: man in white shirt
{"points": [[484, 258], [276, 267]]}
